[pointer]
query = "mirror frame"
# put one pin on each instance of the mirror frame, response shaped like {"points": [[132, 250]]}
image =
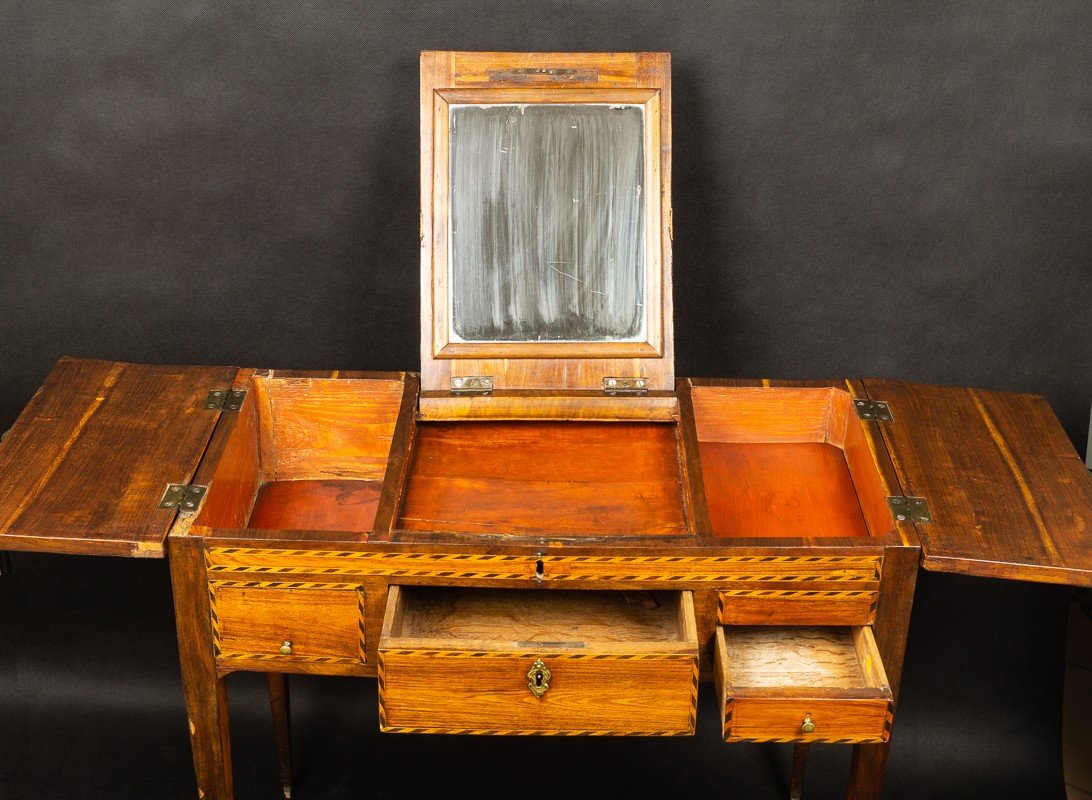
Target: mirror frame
{"points": [[468, 78]]}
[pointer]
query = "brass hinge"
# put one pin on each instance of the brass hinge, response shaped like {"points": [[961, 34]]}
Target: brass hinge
{"points": [[873, 410], [912, 509], [625, 386], [472, 385], [225, 400], [185, 497]]}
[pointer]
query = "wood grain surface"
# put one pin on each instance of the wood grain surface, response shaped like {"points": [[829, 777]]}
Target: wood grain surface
{"points": [[639, 681], [546, 477], [515, 615], [451, 77], [87, 462], [1009, 496], [320, 622], [780, 489], [335, 505], [770, 679]]}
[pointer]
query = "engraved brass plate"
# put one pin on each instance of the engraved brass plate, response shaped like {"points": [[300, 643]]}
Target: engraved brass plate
{"points": [[538, 679]]}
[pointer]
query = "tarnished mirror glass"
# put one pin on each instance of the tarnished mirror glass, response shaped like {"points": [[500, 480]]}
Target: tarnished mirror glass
{"points": [[547, 223]]}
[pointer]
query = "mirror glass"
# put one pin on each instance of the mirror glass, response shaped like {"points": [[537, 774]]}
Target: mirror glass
{"points": [[547, 223]]}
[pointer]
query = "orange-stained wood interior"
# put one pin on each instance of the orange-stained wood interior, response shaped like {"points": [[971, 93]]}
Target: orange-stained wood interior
{"points": [[305, 454], [309, 454], [787, 462], [563, 478], [325, 505], [788, 489]]}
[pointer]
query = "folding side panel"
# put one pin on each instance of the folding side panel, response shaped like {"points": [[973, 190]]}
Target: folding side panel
{"points": [[87, 462], [1007, 493]]}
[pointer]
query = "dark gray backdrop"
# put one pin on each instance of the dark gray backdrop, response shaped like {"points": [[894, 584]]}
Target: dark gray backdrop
{"points": [[860, 189]]}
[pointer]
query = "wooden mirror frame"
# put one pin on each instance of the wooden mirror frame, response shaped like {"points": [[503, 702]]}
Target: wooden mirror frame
{"points": [[556, 79]]}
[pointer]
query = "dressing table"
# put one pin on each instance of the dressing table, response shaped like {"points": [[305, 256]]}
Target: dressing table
{"points": [[544, 531]]}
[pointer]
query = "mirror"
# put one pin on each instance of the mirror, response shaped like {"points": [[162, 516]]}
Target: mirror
{"points": [[547, 222]]}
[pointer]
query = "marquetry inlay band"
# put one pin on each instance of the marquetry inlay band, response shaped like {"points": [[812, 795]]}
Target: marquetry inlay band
{"points": [[659, 569], [477, 732], [558, 654]]}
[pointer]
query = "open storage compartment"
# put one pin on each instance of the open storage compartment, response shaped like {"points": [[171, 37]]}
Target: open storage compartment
{"points": [[306, 454], [787, 462], [538, 662], [806, 684], [552, 478]]}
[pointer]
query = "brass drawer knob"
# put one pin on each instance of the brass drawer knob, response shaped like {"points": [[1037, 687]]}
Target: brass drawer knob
{"points": [[538, 679], [286, 648], [808, 726]]}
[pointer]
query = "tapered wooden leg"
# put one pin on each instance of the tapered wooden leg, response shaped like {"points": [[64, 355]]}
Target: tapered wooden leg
{"points": [[897, 582], [799, 766], [866, 771], [282, 727], [206, 694]]}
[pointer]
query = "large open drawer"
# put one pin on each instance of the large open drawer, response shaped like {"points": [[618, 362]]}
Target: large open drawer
{"points": [[802, 684], [538, 662]]}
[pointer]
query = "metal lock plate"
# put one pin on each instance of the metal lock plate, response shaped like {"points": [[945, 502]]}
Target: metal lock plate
{"points": [[538, 678]]}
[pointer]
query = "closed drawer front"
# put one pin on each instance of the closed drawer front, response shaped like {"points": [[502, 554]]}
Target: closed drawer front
{"points": [[801, 606], [816, 590], [800, 684], [323, 624], [537, 662]]}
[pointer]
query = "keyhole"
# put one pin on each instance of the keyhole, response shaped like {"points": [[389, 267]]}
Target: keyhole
{"points": [[538, 679], [540, 569]]}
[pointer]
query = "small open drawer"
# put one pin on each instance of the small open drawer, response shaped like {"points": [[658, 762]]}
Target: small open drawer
{"points": [[538, 662], [802, 685]]}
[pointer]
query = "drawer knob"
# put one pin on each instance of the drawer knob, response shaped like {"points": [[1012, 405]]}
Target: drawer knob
{"points": [[808, 726], [286, 648], [538, 679]]}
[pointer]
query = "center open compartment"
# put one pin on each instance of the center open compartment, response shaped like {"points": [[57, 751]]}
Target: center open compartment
{"points": [[546, 477], [787, 462], [525, 661]]}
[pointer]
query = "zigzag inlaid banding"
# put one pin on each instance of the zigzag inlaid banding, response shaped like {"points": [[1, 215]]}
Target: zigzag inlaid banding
{"points": [[662, 569], [520, 732], [215, 623], [566, 655], [810, 739], [222, 584], [290, 658]]}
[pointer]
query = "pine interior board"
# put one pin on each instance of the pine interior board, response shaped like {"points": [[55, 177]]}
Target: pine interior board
{"points": [[807, 656], [561, 616]]}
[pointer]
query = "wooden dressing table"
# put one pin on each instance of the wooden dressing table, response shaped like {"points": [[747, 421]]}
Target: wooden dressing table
{"points": [[546, 533]]}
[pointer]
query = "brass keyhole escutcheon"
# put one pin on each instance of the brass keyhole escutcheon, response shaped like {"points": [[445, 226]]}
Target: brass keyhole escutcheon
{"points": [[538, 679], [807, 726], [286, 648]]}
